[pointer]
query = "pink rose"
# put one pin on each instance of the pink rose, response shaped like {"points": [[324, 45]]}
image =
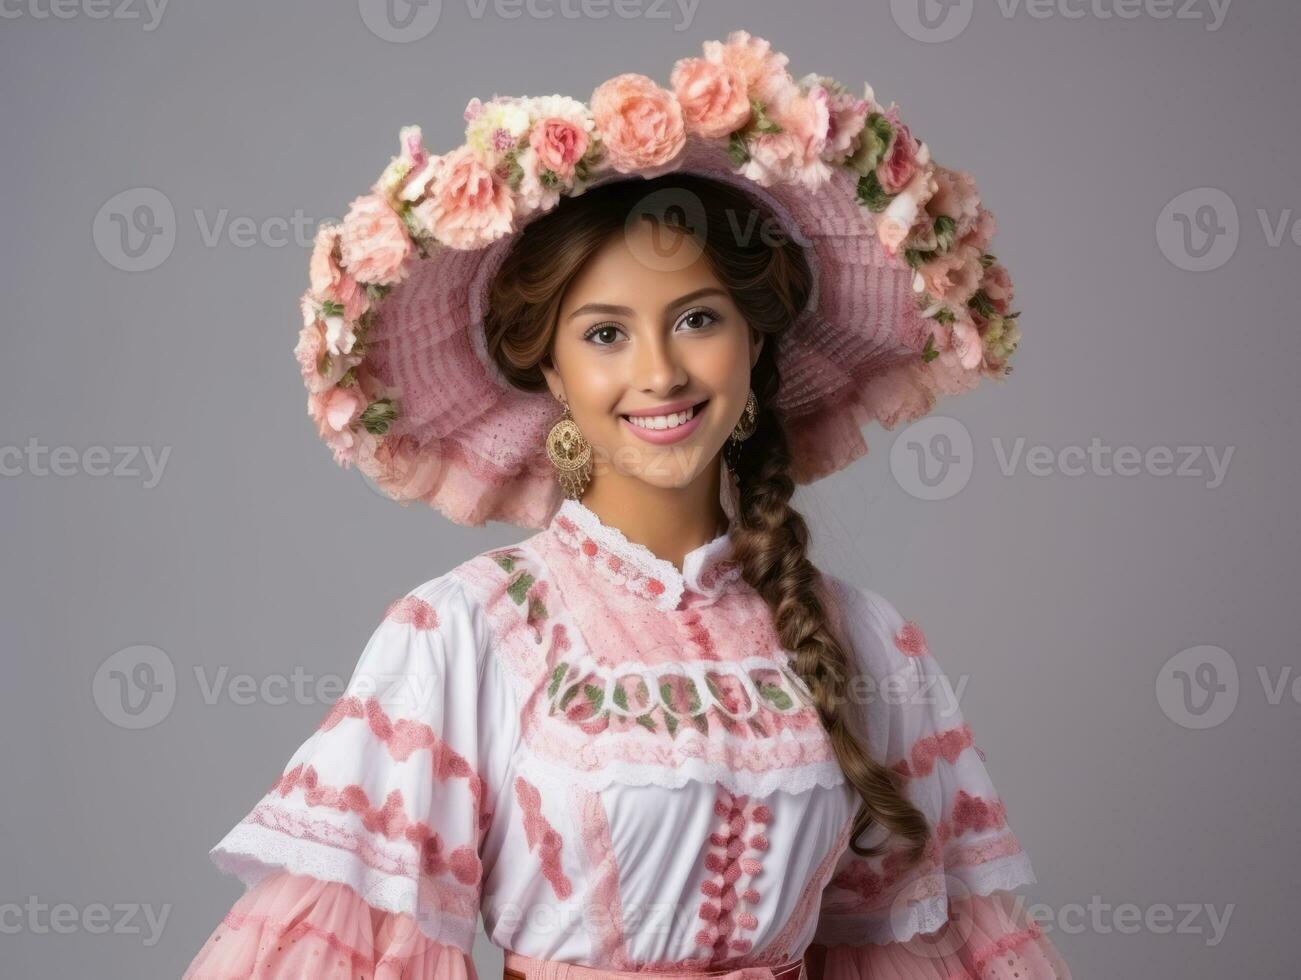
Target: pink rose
{"points": [[900, 163], [762, 68], [955, 197], [848, 116], [713, 96], [559, 145], [953, 277], [903, 215], [997, 285], [374, 243], [967, 344], [793, 155], [640, 123], [470, 206], [334, 411], [330, 281], [982, 232], [309, 350]]}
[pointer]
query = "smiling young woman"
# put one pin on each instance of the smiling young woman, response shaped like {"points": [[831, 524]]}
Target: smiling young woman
{"points": [[637, 741]]}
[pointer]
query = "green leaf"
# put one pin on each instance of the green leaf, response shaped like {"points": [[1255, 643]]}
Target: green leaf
{"points": [[981, 303], [620, 697], [779, 698], [929, 353], [519, 587], [670, 723], [595, 697], [378, 416], [567, 697], [505, 561], [871, 194], [945, 227], [557, 675], [736, 149], [331, 308]]}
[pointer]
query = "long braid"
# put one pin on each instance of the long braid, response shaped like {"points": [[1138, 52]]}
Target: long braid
{"points": [[771, 544]]}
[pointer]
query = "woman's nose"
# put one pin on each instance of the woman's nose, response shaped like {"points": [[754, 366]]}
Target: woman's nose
{"points": [[658, 368]]}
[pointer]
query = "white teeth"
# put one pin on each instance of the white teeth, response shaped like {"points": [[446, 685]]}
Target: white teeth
{"points": [[662, 421]]}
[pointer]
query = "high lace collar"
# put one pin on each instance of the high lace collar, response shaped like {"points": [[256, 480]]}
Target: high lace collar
{"points": [[708, 570]]}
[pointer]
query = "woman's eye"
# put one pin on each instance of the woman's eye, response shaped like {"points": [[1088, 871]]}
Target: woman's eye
{"points": [[602, 335], [695, 317]]}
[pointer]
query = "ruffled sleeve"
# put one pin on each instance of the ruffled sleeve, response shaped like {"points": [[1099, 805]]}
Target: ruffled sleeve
{"points": [[956, 913], [365, 857]]}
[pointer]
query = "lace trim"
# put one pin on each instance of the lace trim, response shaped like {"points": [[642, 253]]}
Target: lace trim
{"points": [[794, 780], [922, 908], [679, 693], [708, 569], [269, 840]]}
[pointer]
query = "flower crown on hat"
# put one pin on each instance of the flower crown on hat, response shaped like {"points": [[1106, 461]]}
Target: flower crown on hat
{"points": [[521, 155]]}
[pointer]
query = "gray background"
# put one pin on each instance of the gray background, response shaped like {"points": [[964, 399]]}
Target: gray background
{"points": [[1060, 598]]}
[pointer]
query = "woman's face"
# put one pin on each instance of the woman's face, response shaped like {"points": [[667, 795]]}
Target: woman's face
{"points": [[652, 356]]}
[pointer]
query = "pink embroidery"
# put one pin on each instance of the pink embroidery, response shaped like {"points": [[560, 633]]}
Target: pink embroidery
{"points": [[413, 610], [605, 907], [973, 813], [608, 565], [1005, 944], [404, 737], [443, 896], [737, 859], [911, 640], [542, 837], [946, 744], [389, 821]]}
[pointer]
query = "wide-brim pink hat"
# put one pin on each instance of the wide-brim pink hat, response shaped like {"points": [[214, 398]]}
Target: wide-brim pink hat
{"points": [[908, 304]]}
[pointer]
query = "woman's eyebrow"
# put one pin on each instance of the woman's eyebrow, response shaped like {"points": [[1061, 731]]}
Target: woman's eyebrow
{"points": [[612, 310]]}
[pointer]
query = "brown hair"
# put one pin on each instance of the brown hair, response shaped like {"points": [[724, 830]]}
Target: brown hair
{"points": [[770, 283]]}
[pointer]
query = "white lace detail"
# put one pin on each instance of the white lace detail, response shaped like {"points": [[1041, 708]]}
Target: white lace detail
{"points": [[904, 917], [252, 852], [790, 698], [705, 569], [794, 780]]}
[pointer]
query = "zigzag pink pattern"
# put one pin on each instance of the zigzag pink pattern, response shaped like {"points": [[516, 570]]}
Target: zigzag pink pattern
{"points": [[542, 836], [389, 821], [403, 737], [947, 745]]}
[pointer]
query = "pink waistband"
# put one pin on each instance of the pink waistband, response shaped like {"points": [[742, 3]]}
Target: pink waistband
{"points": [[521, 967]]}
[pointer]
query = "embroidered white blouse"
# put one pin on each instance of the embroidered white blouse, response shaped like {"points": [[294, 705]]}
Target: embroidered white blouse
{"points": [[613, 762]]}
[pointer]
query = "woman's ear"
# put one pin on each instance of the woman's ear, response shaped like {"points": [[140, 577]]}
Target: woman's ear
{"points": [[756, 345], [553, 379]]}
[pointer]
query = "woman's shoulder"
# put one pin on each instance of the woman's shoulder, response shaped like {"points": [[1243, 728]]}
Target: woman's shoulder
{"points": [[883, 638]]}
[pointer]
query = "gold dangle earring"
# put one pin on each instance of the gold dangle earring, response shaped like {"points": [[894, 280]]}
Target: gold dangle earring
{"points": [[571, 454], [743, 430]]}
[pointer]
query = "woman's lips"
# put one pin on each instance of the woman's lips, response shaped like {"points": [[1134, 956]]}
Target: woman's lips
{"points": [[663, 437]]}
